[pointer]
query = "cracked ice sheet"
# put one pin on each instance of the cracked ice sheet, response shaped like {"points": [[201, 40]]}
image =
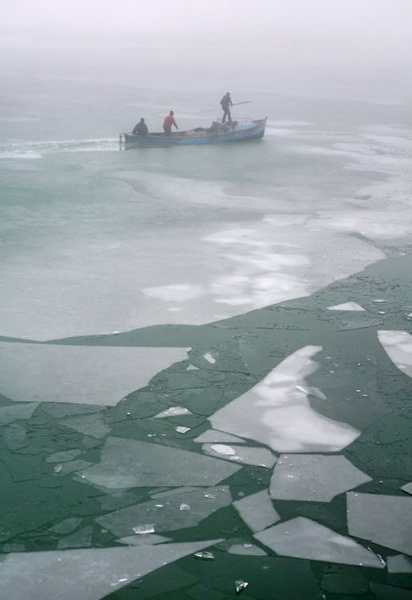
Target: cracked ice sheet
{"points": [[277, 413], [398, 346], [384, 520], [168, 514], [78, 374], [257, 511], [129, 463], [10, 414], [89, 574], [260, 457], [313, 477], [303, 538]]}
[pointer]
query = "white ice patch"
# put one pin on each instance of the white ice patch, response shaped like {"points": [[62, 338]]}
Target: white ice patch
{"points": [[175, 293], [173, 411], [129, 463], [257, 511], [89, 574], [313, 477], [79, 374], [209, 357], [398, 346], [278, 414], [348, 306], [215, 437], [260, 457], [384, 520], [303, 538], [170, 513]]}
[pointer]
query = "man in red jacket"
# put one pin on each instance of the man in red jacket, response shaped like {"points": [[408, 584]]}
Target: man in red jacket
{"points": [[168, 122]]}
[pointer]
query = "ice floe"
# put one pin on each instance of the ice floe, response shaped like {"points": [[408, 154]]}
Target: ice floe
{"points": [[16, 412], [89, 574], [348, 306], [399, 564], [314, 477], [173, 512], [143, 540], [260, 457], [398, 346], [384, 520], [246, 550], [257, 511], [304, 538], [407, 488], [92, 425], [129, 463], [80, 374], [277, 412], [215, 437]]}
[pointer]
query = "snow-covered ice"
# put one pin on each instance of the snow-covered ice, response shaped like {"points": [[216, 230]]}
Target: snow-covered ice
{"points": [[277, 412]]}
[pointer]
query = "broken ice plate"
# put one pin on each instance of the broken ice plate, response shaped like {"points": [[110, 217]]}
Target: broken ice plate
{"points": [[205, 555]]}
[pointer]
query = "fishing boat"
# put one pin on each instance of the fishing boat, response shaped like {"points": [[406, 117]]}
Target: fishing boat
{"points": [[218, 133]]}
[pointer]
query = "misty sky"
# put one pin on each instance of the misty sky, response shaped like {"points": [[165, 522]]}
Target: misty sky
{"points": [[361, 30]]}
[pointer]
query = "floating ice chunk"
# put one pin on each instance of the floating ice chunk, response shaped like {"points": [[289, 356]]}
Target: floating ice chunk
{"points": [[407, 488], [240, 585], [260, 457], [220, 449], [89, 574], [181, 429], [205, 555], [398, 346], [129, 463], [17, 412], [79, 374], [209, 358], [63, 456], [66, 526], [213, 436], [79, 539], [384, 520], [176, 512], [246, 550], [172, 412], [278, 414], [304, 538], [257, 511], [314, 477], [92, 425], [399, 564], [143, 540], [143, 529], [72, 467], [349, 306], [192, 368]]}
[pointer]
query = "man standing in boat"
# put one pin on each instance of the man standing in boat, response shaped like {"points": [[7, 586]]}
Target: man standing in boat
{"points": [[168, 122], [225, 102]]}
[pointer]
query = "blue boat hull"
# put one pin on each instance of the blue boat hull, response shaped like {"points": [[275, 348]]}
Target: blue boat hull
{"points": [[251, 130]]}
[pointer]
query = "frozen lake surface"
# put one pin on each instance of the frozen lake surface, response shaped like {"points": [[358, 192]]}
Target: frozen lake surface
{"points": [[206, 361]]}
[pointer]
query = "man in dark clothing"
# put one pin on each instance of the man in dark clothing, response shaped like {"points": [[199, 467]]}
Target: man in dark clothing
{"points": [[141, 128], [225, 102]]}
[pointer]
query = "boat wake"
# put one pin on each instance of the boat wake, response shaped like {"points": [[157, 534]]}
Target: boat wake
{"points": [[38, 149]]}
